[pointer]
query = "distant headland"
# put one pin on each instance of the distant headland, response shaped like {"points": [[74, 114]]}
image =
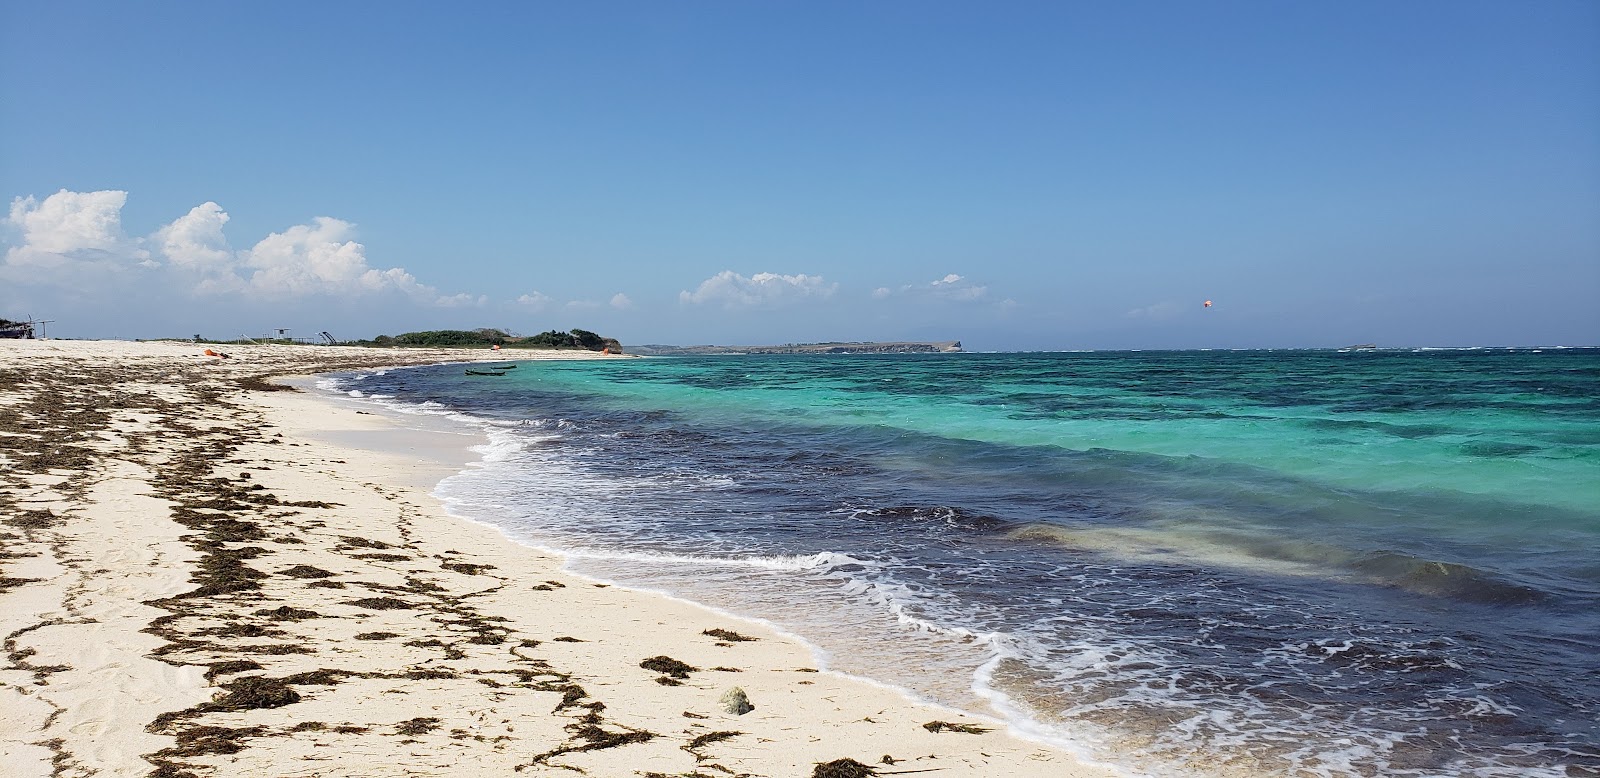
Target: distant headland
{"points": [[903, 347]]}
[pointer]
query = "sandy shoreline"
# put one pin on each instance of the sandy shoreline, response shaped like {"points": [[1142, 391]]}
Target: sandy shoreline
{"points": [[200, 577]]}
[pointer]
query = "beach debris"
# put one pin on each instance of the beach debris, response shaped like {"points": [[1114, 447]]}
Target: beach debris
{"points": [[728, 635], [288, 613], [843, 768], [946, 726], [668, 666], [200, 741], [255, 692], [376, 635], [380, 603], [232, 666], [305, 571], [735, 701], [417, 726]]}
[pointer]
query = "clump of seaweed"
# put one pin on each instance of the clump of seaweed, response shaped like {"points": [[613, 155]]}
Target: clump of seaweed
{"points": [[198, 741], [728, 635], [286, 613], [380, 603], [381, 557], [593, 738], [668, 666], [322, 677], [305, 571], [230, 667], [32, 520], [843, 768], [417, 726], [259, 384], [364, 543], [708, 739], [945, 726], [255, 692], [376, 635], [466, 568]]}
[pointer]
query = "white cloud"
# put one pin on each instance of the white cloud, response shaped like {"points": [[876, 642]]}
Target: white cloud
{"points": [[320, 258], [195, 240], [952, 287], [462, 300], [734, 290], [955, 287], [621, 302], [72, 229], [535, 300]]}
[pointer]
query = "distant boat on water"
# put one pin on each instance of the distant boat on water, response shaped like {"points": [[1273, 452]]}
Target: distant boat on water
{"points": [[486, 372]]}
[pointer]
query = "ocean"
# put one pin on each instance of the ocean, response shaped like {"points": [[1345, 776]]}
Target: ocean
{"points": [[1207, 563]]}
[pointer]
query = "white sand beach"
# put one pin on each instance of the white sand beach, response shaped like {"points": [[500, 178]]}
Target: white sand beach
{"points": [[202, 576]]}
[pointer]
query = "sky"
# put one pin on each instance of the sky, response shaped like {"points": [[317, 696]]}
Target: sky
{"points": [[1015, 175]]}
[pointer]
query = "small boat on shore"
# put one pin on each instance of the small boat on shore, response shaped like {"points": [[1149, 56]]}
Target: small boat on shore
{"points": [[486, 372]]}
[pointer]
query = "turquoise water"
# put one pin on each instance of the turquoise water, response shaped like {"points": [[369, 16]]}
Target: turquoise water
{"points": [[1319, 563]]}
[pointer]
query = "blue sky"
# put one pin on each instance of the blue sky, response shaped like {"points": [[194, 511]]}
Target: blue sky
{"points": [[1016, 175]]}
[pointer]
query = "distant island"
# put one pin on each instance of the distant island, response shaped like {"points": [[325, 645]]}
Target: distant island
{"points": [[904, 347]]}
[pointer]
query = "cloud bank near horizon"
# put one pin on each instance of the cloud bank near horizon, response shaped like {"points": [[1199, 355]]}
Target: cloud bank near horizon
{"points": [[71, 252], [77, 238]]}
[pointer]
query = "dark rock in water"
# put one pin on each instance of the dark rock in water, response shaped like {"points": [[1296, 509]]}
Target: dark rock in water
{"points": [[735, 701]]}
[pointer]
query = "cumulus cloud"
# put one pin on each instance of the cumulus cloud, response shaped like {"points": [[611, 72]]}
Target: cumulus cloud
{"points": [[320, 258], [621, 302], [881, 293], [734, 290], [195, 240], [71, 228], [71, 238]]}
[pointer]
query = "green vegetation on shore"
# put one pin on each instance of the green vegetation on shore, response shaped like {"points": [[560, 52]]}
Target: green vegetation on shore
{"points": [[485, 338], [479, 338]]}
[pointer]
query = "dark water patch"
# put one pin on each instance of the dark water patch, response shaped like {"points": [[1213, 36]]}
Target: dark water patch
{"points": [[1444, 579], [1407, 431], [955, 518], [1494, 448]]}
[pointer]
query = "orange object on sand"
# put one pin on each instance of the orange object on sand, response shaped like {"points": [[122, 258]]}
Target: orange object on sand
{"points": [[606, 350], [211, 353]]}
